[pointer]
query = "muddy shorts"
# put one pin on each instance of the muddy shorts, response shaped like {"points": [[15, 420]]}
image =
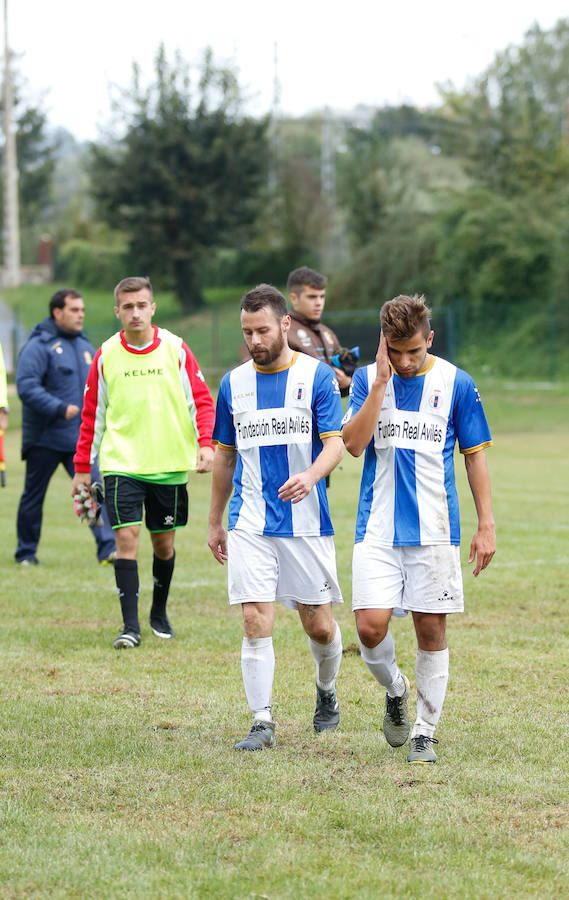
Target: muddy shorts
{"points": [[405, 579]]}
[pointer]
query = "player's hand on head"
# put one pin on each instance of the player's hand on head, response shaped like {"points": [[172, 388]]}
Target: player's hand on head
{"points": [[383, 373]]}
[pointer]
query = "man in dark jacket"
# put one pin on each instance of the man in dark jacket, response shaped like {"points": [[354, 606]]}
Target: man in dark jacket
{"points": [[307, 293], [50, 376]]}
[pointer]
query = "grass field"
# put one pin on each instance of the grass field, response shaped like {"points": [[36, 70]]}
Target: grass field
{"points": [[117, 774]]}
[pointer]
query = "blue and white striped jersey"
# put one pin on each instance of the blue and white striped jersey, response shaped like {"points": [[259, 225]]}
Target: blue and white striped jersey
{"points": [[408, 494], [276, 421]]}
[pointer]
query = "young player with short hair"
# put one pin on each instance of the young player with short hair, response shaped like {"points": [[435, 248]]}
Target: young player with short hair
{"points": [[277, 431], [149, 415], [406, 411], [308, 334]]}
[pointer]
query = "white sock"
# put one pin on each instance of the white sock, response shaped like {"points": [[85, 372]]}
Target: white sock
{"points": [[327, 658], [258, 670], [381, 662], [431, 672]]}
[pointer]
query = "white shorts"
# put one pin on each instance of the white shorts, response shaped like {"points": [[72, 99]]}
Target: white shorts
{"points": [[290, 569], [418, 579]]}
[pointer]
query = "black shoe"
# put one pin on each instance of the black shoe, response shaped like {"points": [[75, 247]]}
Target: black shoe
{"points": [[327, 714], [29, 561], [161, 627], [421, 750], [262, 735], [126, 640], [396, 726]]}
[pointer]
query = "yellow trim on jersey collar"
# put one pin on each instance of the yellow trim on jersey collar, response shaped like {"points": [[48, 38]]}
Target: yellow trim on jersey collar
{"points": [[427, 368], [281, 369]]}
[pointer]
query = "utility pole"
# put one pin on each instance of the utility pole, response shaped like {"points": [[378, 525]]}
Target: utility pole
{"points": [[275, 126], [12, 274], [329, 237], [327, 160]]}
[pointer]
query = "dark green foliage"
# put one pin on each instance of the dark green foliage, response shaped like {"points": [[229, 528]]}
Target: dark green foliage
{"points": [[296, 216], [483, 226], [185, 177], [36, 150], [499, 251], [90, 264], [515, 122], [394, 191], [36, 164]]}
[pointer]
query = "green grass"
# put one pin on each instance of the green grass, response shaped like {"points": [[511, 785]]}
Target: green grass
{"points": [[117, 774]]}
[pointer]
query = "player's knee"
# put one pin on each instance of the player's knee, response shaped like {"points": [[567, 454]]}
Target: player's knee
{"points": [[163, 544], [431, 631], [257, 621], [371, 633], [321, 632]]}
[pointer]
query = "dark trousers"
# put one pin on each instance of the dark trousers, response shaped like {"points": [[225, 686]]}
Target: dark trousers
{"points": [[41, 463]]}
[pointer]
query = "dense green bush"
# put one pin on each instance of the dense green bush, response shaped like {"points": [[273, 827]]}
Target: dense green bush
{"points": [[89, 264]]}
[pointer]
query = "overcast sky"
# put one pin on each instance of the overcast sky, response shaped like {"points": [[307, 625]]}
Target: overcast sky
{"points": [[328, 54]]}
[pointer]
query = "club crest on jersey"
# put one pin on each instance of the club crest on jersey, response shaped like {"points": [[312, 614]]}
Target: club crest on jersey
{"points": [[435, 399], [300, 391]]}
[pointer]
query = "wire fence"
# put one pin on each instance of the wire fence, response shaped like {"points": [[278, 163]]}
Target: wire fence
{"points": [[217, 340]]}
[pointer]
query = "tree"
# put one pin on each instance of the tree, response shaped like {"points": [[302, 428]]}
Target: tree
{"points": [[393, 190], [36, 150], [514, 120], [499, 252], [185, 177]]}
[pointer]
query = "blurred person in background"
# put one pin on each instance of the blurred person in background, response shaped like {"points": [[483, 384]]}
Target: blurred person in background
{"points": [[307, 294], [51, 372]]}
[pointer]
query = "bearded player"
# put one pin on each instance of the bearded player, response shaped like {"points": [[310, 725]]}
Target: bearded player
{"points": [[277, 430]]}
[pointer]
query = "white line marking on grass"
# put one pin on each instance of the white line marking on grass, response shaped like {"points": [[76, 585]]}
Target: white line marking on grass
{"points": [[512, 563]]}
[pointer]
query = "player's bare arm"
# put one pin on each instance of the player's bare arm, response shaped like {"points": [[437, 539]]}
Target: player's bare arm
{"points": [[483, 544], [297, 487], [358, 431], [224, 462], [205, 459]]}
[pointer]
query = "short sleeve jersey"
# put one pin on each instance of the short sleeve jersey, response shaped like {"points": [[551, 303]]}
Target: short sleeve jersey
{"points": [[408, 494], [276, 421]]}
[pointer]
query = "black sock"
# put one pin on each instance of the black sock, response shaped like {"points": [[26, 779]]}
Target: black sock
{"points": [[162, 571], [126, 577]]}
